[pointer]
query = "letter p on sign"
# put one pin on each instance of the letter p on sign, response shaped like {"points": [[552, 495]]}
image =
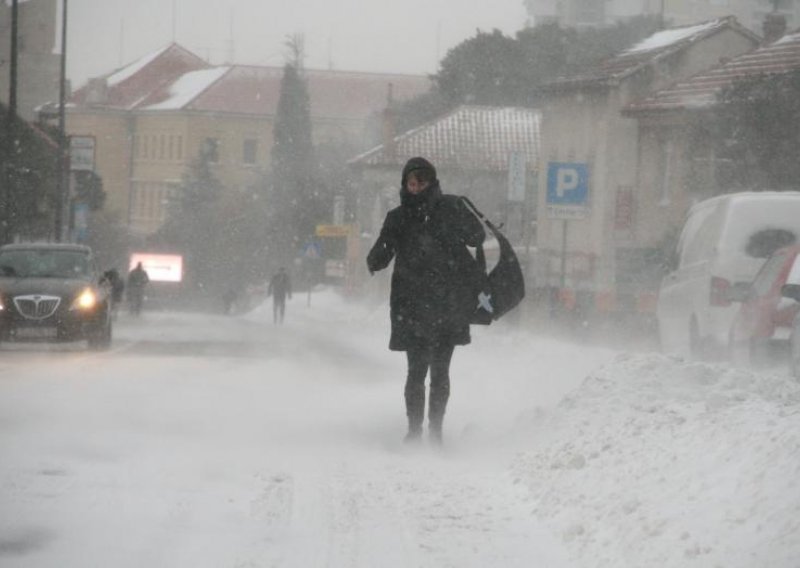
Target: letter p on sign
{"points": [[567, 183], [566, 180]]}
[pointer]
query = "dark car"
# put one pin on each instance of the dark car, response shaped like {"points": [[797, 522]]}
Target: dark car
{"points": [[52, 292], [763, 325]]}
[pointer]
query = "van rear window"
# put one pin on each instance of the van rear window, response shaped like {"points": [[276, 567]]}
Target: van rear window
{"points": [[762, 244]]}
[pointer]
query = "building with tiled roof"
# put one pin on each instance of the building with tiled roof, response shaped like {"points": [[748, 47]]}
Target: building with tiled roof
{"points": [[471, 147], [469, 137], [680, 160], [658, 50], [700, 91], [152, 117], [600, 245], [594, 13]]}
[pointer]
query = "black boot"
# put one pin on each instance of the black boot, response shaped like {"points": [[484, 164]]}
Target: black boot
{"points": [[436, 408], [415, 410]]}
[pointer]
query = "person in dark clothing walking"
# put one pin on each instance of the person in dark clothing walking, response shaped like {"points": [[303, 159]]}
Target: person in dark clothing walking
{"points": [[117, 285], [137, 280], [433, 291], [279, 288]]}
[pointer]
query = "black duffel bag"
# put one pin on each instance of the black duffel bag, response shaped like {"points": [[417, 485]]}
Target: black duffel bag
{"points": [[504, 286]]}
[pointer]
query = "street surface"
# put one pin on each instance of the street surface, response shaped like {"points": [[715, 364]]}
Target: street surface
{"points": [[204, 440], [212, 441]]}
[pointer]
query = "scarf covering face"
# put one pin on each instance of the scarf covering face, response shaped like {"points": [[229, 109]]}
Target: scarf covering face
{"points": [[420, 205]]}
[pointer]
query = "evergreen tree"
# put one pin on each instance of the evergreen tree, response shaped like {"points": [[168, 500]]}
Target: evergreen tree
{"points": [[297, 195], [199, 187], [27, 176], [483, 70], [494, 69], [757, 132], [195, 224], [89, 189]]}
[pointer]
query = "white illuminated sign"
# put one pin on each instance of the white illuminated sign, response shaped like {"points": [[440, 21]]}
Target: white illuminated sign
{"points": [[159, 267]]}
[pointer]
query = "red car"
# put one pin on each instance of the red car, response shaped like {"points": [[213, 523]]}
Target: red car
{"points": [[763, 326]]}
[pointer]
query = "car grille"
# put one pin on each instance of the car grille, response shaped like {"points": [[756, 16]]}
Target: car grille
{"points": [[36, 306]]}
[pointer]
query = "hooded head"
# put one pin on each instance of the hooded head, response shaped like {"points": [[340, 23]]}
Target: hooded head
{"points": [[422, 168]]}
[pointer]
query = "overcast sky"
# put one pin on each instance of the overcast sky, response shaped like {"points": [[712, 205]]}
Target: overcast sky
{"points": [[405, 36]]}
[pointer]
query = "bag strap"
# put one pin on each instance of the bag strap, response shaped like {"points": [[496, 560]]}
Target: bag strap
{"points": [[480, 256], [481, 217]]}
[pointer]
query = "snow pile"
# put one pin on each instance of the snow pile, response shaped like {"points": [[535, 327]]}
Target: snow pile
{"points": [[666, 463]]}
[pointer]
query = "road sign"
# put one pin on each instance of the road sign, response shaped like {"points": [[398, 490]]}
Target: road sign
{"points": [[333, 230], [567, 190], [312, 250], [81, 153]]}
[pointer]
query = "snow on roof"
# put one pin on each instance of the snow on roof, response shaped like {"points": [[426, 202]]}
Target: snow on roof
{"points": [[701, 90], [470, 137], [187, 87], [642, 55], [665, 38], [159, 81], [131, 69]]}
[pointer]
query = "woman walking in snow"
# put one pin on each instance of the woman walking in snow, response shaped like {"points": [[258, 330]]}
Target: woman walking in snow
{"points": [[433, 291]]}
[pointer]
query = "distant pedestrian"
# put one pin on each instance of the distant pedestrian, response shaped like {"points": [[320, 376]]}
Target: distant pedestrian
{"points": [[229, 300], [280, 287], [433, 294], [137, 280], [117, 285]]}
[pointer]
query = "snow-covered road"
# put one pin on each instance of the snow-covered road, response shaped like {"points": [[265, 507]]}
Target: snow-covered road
{"points": [[228, 442]]}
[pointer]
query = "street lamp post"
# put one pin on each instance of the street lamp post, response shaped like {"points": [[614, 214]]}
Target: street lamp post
{"points": [[61, 185]]}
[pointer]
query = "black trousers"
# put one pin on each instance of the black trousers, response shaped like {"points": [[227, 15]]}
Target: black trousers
{"points": [[436, 358], [278, 309]]}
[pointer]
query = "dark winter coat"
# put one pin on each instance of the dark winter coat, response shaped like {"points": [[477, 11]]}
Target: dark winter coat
{"points": [[434, 282], [279, 287]]}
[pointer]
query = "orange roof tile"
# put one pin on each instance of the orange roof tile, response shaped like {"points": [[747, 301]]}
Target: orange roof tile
{"points": [[174, 78]]}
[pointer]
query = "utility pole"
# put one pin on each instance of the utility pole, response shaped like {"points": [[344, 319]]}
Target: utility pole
{"points": [[61, 185], [12, 95], [8, 141]]}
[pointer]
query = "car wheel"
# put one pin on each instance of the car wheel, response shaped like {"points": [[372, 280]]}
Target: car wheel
{"points": [[697, 349], [742, 353], [794, 357]]}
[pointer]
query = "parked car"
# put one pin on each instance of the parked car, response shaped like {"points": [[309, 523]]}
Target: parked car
{"points": [[761, 329], [53, 292], [792, 292], [723, 244]]}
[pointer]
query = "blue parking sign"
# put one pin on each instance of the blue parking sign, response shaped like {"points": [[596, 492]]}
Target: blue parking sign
{"points": [[567, 183]]}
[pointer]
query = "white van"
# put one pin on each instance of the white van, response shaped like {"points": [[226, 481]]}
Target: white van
{"points": [[724, 242]]}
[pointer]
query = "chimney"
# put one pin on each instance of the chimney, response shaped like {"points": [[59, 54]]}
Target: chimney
{"points": [[774, 27], [389, 127], [97, 91]]}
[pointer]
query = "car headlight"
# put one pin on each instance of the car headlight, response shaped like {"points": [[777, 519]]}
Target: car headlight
{"points": [[85, 301]]}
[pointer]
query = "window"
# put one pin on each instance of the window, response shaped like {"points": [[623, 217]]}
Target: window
{"points": [[179, 149], [697, 237], [161, 146], [768, 274], [249, 150], [170, 145], [211, 149]]}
